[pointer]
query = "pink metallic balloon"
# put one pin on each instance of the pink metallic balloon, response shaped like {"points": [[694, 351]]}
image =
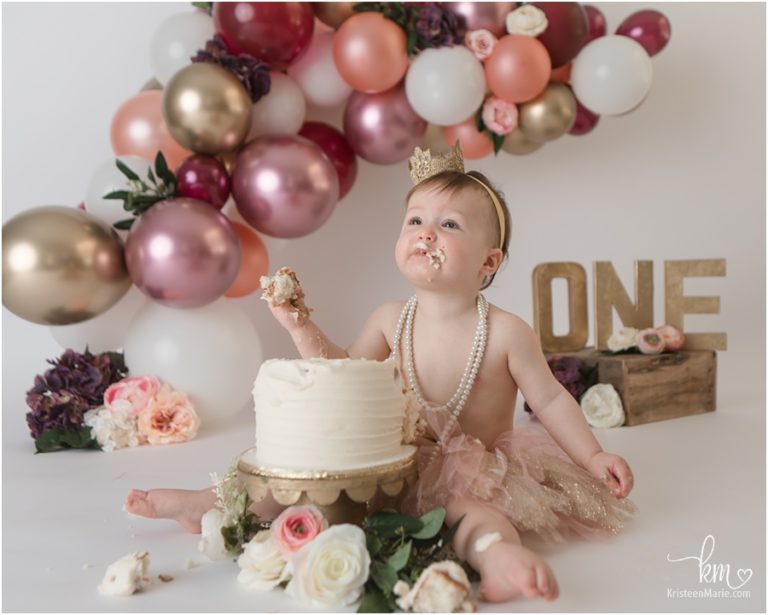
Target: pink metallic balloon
{"points": [[284, 185], [204, 178], [649, 28], [182, 253], [383, 128], [487, 15]]}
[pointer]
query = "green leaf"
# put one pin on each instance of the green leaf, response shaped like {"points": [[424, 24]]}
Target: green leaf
{"points": [[204, 6], [374, 601], [498, 141], [124, 225], [151, 176], [479, 123], [116, 194], [431, 524], [126, 170], [373, 544], [448, 536], [384, 576], [398, 560], [163, 172], [58, 439], [388, 524]]}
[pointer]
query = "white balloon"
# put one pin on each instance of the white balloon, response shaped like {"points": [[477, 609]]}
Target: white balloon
{"points": [[611, 75], [105, 332], [211, 353], [446, 85], [316, 73], [280, 112], [108, 178], [176, 40]]}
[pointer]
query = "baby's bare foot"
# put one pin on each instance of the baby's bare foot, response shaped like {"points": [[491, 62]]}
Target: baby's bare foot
{"points": [[508, 569], [186, 507]]}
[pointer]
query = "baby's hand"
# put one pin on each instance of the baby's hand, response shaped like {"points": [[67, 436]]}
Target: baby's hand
{"points": [[285, 297], [613, 471]]}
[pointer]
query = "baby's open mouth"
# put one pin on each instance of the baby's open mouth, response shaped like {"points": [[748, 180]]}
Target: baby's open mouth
{"points": [[436, 257]]}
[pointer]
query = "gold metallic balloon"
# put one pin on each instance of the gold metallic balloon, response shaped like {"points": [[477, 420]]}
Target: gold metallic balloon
{"points": [[517, 143], [333, 14], [207, 109], [434, 139], [61, 266], [152, 84], [550, 115]]}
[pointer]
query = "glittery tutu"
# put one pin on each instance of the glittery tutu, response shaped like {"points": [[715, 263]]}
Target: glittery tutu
{"points": [[526, 476]]}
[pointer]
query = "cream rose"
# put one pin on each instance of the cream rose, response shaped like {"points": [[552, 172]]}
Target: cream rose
{"points": [[602, 406], [623, 339], [169, 418], [442, 587], [480, 42], [527, 20], [331, 570], [262, 566], [211, 539], [113, 430]]}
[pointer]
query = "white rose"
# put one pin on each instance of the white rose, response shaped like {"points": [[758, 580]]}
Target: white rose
{"points": [[442, 587], [623, 339], [331, 570], [211, 540], [527, 20], [126, 576], [602, 406], [112, 429], [262, 566]]}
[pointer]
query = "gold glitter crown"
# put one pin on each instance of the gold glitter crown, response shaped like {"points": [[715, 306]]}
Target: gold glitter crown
{"points": [[423, 165]]}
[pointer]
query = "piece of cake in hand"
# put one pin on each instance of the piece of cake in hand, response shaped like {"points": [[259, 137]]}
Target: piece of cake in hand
{"points": [[284, 288]]}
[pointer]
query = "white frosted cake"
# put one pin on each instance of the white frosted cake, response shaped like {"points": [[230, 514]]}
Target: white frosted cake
{"points": [[329, 414]]}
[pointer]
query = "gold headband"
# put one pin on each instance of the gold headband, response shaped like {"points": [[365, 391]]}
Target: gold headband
{"points": [[423, 165]]}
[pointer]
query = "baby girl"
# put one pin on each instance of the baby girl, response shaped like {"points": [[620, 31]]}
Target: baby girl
{"points": [[550, 478]]}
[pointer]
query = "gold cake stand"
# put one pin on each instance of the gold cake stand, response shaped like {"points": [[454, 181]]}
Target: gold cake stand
{"points": [[343, 497]]}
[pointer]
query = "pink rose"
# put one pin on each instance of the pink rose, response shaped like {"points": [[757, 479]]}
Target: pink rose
{"points": [[131, 395], [169, 418], [480, 42], [296, 526], [672, 336], [499, 115], [650, 342]]}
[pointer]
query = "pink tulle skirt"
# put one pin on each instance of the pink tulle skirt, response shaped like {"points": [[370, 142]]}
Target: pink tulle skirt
{"points": [[526, 476]]}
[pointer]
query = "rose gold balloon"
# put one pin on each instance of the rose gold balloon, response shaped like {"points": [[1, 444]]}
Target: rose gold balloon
{"points": [[518, 144], [207, 108], [476, 15], [474, 144], [254, 262], [333, 14], [550, 115], [518, 69], [138, 129], [370, 52]]}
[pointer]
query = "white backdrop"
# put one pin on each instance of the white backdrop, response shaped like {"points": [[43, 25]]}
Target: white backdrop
{"points": [[682, 177]]}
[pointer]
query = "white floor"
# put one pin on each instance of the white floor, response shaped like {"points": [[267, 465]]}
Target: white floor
{"points": [[695, 476]]}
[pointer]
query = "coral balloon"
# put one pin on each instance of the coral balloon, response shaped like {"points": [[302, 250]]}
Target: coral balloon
{"points": [[138, 128], [182, 253], [649, 28], [61, 266], [585, 120], [338, 150], [370, 52], [382, 128], [276, 32], [518, 69], [317, 75], [561, 74], [597, 25], [474, 144], [550, 115], [566, 31], [207, 109], [481, 15], [204, 178], [284, 185], [333, 14], [254, 262]]}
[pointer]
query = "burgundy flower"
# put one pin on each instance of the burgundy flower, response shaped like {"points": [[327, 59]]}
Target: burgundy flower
{"points": [[572, 373], [436, 27]]}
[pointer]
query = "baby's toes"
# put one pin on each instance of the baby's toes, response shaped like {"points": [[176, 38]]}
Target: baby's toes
{"points": [[529, 584]]}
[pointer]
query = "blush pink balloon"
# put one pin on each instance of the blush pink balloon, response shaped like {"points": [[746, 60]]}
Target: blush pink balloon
{"points": [[649, 28], [138, 128], [383, 128], [204, 178], [182, 253], [284, 185], [482, 15]]}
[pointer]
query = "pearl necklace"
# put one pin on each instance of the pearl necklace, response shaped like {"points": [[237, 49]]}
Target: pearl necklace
{"points": [[456, 403]]}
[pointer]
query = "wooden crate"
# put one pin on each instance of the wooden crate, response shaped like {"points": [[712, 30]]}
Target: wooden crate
{"points": [[657, 387]]}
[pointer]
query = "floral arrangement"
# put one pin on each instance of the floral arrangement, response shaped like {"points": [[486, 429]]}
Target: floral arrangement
{"points": [[573, 373], [653, 340], [89, 401], [386, 565]]}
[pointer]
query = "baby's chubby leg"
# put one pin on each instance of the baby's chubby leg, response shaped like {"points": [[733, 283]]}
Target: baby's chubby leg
{"points": [[506, 567], [187, 507]]}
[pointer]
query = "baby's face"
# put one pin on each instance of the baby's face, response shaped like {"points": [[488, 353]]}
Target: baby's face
{"points": [[445, 240]]}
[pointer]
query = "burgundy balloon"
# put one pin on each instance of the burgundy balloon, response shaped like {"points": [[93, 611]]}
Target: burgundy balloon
{"points": [[284, 185], [476, 15], [275, 32], [567, 31], [585, 121], [597, 24], [336, 147], [204, 178], [649, 28], [182, 253], [382, 128]]}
